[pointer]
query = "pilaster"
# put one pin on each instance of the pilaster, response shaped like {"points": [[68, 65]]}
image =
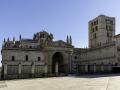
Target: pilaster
{"points": [[86, 68], [5, 71], [19, 71], [33, 69]]}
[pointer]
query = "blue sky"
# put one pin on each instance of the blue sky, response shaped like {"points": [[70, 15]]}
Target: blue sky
{"points": [[60, 17]]}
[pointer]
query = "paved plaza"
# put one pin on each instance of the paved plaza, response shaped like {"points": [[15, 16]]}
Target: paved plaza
{"points": [[103, 82]]}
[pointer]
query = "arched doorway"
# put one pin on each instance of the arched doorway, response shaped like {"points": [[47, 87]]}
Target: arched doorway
{"points": [[57, 63]]}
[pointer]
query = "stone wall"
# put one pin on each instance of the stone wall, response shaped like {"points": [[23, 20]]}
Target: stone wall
{"points": [[98, 59], [20, 55]]}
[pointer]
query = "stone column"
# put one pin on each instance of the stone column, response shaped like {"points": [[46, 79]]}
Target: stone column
{"points": [[86, 68], [46, 68], [20, 68], [94, 68], [109, 68], [5, 71], [56, 68], [33, 69], [102, 68], [70, 62]]}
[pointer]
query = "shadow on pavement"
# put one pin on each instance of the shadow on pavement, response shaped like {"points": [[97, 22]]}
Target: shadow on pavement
{"points": [[96, 75]]}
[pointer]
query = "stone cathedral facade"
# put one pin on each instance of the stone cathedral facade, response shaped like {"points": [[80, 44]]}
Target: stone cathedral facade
{"points": [[35, 57], [42, 56]]}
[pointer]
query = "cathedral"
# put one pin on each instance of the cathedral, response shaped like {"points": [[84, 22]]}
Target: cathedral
{"points": [[36, 57], [41, 56]]}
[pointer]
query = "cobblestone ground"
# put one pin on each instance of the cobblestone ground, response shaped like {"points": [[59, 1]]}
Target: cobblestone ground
{"points": [[104, 82]]}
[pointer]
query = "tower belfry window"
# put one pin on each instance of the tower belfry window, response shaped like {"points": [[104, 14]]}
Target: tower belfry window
{"points": [[108, 35], [96, 28]]}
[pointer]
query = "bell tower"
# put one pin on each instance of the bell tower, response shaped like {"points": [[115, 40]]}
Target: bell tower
{"points": [[101, 30]]}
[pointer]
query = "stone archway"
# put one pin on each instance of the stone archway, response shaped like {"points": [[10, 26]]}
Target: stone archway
{"points": [[57, 63]]}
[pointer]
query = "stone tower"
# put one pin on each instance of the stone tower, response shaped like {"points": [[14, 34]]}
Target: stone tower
{"points": [[101, 30]]}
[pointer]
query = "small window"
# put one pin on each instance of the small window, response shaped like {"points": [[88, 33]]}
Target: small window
{"points": [[13, 58], [30, 46], [39, 58], [76, 57], [26, 57]]}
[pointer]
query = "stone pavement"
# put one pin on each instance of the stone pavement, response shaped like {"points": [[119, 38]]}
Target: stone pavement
{"points": [[98, 82]]}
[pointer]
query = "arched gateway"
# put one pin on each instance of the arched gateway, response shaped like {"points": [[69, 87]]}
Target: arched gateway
{"points": [[57, 63]]}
